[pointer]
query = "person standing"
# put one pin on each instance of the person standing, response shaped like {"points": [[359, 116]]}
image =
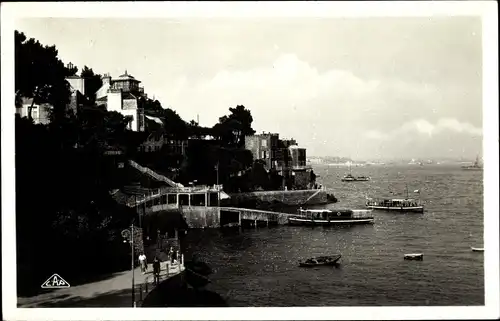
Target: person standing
{"points": [[170, 255], [174, 256], [156, 270], [143, 262]]}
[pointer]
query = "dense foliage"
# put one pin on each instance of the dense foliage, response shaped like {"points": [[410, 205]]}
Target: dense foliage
{"points": [[66, 220]]}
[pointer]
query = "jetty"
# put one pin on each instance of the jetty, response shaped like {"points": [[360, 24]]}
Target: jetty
{"points": [[200, 206]]}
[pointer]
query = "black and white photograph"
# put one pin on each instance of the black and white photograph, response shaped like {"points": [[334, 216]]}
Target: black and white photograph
{"points": [[222, 156]]}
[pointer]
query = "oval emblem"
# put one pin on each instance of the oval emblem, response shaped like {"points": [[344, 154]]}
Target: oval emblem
{"points": [[338, 214]]}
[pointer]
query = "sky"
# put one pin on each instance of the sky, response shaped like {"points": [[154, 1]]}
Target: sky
{"points": [[365, 88]]}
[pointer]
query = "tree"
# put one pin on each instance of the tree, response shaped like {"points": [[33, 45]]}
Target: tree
{"points": [[232, 129], [40, 74], [259, 176], [175, 127], [93, 82]]}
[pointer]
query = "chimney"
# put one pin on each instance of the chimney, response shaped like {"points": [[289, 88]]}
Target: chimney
{"points": [[106, 79]]}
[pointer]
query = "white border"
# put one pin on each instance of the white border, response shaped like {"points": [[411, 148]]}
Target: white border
{"points": [[487, 9]]}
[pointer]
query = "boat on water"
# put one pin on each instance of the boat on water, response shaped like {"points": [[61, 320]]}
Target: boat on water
{"points": [[476, 166], [351, 178], [477, 249], [327, 217], [396, 204], [320, 260], [414, 256]]}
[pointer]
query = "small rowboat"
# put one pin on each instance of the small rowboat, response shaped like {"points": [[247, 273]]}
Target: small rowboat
{"points": [[414, 256], [477, 249], [320, 260]]}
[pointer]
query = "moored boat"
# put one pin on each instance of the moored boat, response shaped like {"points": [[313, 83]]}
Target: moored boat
{"points": [[320, 260], [477, 249], [414, 256], [330, 217]]}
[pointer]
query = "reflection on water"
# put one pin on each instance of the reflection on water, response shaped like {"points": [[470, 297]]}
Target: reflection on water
{"points": [[259, 267]]}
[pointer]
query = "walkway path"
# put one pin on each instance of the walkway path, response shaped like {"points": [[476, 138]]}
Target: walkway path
{"points": [[114, 291]]}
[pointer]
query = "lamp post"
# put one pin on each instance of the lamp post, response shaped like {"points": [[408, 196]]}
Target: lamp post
{"points": [[218, 187], [128, 235]]}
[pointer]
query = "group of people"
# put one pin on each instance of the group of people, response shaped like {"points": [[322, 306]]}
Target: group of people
{"points": [[173, 257]]}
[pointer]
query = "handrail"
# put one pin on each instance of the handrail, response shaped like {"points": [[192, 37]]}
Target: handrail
{"points": [[154, 174], [255, 211]]}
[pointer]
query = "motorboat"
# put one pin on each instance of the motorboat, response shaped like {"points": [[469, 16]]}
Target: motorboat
{"points": [[351, 178], [396, 204], [320, 260], [328, 217], [414, 256], [477, 249]]}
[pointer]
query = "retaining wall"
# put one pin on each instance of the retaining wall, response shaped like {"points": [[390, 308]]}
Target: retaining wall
{"points": [[201, 216], [286, 197]]}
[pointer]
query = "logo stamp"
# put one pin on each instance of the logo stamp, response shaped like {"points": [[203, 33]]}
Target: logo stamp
{"points": [[55, 282]]}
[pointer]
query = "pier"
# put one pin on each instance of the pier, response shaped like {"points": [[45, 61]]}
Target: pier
{"points": [[210, 217]]}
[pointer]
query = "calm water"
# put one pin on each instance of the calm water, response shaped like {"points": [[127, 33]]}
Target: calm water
{"points": [[258, 267]]}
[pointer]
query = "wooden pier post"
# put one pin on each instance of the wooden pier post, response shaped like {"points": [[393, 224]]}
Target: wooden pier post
{"points": [[255, 224]]}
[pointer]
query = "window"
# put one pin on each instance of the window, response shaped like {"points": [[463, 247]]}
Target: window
{"points": [[264, 143], [141, 120], [184, 199], [213, 199], [172, 199], [263, 154], [35, 114], [198, 199]]}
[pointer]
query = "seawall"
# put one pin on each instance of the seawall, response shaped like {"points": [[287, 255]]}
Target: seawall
{"points": [[290, 198], [201, 216]]}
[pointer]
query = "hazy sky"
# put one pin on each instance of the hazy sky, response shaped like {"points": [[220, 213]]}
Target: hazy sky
{"points": [[358, 87]]}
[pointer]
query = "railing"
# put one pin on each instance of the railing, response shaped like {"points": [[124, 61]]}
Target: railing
{"points": [[237, 209], [154, 174]]}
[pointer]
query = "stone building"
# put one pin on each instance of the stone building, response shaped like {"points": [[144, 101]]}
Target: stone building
{"points": [[284, 156], [264, 147]]}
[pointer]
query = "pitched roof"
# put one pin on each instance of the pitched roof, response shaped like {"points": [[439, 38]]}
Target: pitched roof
{"points": [[126, 76]]}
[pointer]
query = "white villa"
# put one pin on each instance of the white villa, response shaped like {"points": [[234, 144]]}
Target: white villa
{"points": [[122, 95]]}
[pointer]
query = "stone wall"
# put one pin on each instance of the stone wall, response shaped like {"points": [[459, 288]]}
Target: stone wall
{"points": [[285, 197], [302, 179], [201, 216]]}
